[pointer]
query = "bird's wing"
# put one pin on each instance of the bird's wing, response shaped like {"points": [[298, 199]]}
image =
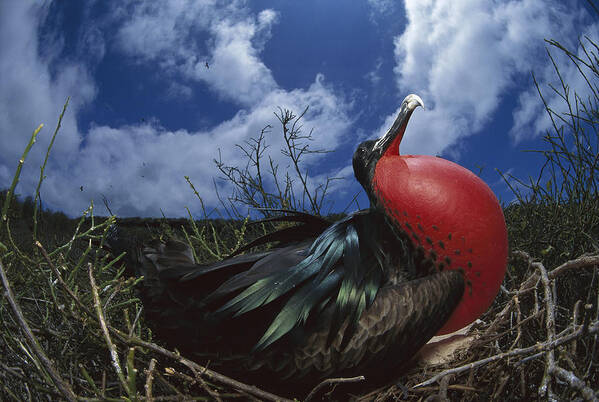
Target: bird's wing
{"points": [[345, 266], [181, 298], [401, 320]]}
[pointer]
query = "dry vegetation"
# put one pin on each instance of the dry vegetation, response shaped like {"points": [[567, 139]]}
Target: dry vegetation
{"points": [[71, 326]]}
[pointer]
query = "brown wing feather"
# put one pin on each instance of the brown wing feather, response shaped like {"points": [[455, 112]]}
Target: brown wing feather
{"points": [[400, 321]]}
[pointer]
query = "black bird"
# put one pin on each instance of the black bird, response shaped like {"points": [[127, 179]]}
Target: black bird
{"points": [[356, 297]]}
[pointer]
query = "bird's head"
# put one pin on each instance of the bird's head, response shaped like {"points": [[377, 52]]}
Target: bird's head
{"points": [[368, 153], [446, 211]]}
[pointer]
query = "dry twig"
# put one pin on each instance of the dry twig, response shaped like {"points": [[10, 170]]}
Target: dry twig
{"points": [[114, 356], [332, 381], [544, 388], [150, 379]]}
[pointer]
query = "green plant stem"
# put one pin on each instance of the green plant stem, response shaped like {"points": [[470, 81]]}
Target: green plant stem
{"points": [[43, 168], [15, 179]]}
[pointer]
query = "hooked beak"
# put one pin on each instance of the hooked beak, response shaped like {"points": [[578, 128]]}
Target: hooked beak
{"points": [[388, 144]]}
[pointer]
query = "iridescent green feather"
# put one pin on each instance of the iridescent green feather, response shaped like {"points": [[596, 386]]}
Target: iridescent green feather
{"points": [[345, 266]]}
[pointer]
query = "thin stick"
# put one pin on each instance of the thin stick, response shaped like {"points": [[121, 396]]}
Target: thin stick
{"points": [[331, 381], [150, 379], [114, 357], [518, 322], [525, 287], [214, 394], [137, 315], [527, 359], [580, 262], [195, 380], [43, 167], [457, 387], [544, 388], [62, 386]]}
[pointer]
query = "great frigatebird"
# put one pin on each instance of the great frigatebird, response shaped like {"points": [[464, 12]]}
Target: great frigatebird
{"points": [[356, 297]]}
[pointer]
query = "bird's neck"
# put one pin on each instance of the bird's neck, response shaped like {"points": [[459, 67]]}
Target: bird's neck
{"points": [[408, 260]]}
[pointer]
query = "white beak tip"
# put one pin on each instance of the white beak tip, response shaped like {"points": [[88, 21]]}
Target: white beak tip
{"points": [[412, 101]]}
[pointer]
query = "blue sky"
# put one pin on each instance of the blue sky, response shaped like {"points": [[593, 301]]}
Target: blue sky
{"points": [[145, 111]]}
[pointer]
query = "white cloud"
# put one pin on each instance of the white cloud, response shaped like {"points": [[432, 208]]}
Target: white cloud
{"points": [[92, 45], [380, 8], [182, 36], [140, 168], [179, 91], [530, 117], [464, 56], [374, 75], [31, 94]]}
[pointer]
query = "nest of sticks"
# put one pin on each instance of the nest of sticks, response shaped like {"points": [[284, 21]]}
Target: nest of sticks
{"points": [[531, 344]]}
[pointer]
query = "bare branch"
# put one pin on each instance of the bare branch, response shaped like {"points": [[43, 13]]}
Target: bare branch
{"points": [[332, 381], [114, 357], [150, 379]]}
